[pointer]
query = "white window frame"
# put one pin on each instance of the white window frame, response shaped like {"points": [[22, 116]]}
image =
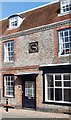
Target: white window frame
{"points": [[13, 22], [63, 43], [65, 6], [9, 51], [8, 87], [62, 88]]}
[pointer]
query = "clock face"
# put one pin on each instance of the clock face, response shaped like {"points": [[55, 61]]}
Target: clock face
{"points": [[33, 47]]}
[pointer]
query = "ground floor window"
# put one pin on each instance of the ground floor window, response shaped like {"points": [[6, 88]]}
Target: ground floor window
{"points": [[9, 86], [58, 88]]}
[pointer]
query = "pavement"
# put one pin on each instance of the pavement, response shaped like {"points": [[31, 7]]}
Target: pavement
{"points": [[22, 113]]}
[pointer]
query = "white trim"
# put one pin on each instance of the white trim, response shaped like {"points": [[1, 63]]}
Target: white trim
{"points": [[26, 73], [46, 94], [55, 64]]}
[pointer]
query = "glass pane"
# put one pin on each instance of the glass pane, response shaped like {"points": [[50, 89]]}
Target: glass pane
{"points": [[70, 38], [8, 83], [29, 92], [26, 92], [58, 83], [66, 39], [66, 33], [11, 93], [8, 48], [7, 88], [29, 88], [12, 48], [70, 32], [57, 77], [12, 83], [7, 92], [12, 44], [61, 34], [67, 83], [67, 95], [8, 78], [12, 78], [50, 81], [50, 94], [66, 45], [66, 77], [58, 94]]}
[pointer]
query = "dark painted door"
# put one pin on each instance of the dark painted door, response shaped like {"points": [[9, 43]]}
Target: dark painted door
{"points": [[29, 94]]}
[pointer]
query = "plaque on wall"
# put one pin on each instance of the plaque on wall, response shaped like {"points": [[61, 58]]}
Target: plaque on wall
{"points": [[33, 47]]}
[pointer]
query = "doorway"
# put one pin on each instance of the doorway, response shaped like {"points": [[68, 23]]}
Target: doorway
{"points": [[29, 92]]}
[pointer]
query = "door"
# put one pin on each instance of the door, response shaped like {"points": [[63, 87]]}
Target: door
{"points": [[29, 94]]}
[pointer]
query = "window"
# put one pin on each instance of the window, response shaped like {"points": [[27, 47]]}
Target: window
{"points": [[13, 22], [8, 51], [58, 88], [64, 42], [8, 86], [65, 6]]}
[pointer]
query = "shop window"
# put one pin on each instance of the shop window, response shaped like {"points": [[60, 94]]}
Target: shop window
{"points": [[58, 88]]}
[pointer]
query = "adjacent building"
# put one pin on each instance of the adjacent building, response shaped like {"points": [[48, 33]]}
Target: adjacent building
{"points": [[35, 55]]}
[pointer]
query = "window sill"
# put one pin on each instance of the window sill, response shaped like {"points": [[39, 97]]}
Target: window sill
{"points": [[8, 96], [8, 61], [57, 102], [66, 13], [64, 55]]}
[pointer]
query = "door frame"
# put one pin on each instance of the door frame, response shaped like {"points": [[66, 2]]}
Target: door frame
{"points": [[23, 91]]}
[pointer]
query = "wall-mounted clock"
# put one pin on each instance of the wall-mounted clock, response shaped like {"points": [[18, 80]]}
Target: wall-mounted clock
{"points": [[33, 47]]}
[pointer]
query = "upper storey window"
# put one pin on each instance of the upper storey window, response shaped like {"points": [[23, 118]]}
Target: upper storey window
{"points": [[15, 21], [9, 51], [65, 6], [64, 37]]}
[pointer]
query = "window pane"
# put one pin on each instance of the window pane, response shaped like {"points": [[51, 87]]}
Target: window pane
{"points": [[66, 33], [67, 95], [61, 34], [66, 45], [67, 83], [66, 77], [58, 94], [70, 32], [58, 83], [50, 81], [50, 94], [29, 92], [66, 39], [57, 77]]}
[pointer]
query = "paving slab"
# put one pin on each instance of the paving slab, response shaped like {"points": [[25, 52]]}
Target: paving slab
{"points": [[22, 113]]}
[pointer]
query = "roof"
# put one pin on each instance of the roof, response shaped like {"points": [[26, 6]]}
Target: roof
{"points": [[37, 17]]}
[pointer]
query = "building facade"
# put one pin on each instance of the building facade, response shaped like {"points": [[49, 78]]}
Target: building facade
{"points": [[35, 51]]}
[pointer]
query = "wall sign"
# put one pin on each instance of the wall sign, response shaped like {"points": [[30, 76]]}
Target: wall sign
{"points": [[33, 47]]}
